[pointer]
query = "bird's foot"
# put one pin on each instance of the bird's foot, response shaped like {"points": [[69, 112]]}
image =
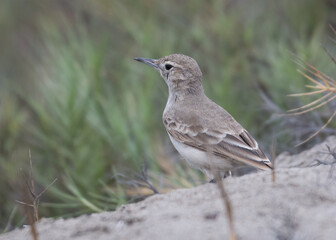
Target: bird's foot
{"points": [[226, 174], [213, 181]]}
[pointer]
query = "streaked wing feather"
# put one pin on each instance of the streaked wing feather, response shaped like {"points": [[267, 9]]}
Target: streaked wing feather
{"points": [[243, 148], [249, 156], [248, 139]]}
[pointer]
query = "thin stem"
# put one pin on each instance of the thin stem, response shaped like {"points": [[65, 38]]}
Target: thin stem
{"points": [[46, 188], [324, 126], [312, 70], [306, 94], [331, 57], [311, 86], [310, 104], [23, 203], [310, 78], [31, 177], [312, 108]]}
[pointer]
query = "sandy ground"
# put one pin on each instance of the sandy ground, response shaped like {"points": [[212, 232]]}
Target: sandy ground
{"points": [[300, 205]]}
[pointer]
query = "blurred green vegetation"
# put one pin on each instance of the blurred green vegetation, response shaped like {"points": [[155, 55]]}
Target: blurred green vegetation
{"points": [[70, 91]]}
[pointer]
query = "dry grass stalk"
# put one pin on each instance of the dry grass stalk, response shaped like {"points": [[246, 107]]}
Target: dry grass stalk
{"points": [[31, 199], [224, 196], [227, 205], [332, 163], [322, 84], [332, 29], [29, 215], [10, 219], [273, 156]]}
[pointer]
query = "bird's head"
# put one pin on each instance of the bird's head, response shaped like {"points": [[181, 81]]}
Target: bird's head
{"points": [[179, 71]]}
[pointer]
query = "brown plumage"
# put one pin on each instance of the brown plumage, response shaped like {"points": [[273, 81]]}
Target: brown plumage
{"points": [[196, 125]]}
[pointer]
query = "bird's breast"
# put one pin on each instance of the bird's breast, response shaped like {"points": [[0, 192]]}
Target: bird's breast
{"points": [[193, 156], [200, 159]]}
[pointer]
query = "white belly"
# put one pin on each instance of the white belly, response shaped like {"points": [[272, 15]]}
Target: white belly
{"points": [[201, 160]]}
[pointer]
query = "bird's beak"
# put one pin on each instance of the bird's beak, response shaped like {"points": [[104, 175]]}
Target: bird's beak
{"points": [[148, 61]]}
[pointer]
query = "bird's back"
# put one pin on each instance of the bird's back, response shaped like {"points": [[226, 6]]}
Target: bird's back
{"points": [[203, 112]]}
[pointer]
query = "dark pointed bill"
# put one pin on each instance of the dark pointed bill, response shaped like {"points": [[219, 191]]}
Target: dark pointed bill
{"points": [[148, 61]]}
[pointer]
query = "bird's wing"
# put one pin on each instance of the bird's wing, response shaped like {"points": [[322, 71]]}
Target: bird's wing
{"points": [[242, 147]]}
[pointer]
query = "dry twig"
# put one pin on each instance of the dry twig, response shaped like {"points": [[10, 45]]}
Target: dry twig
{"points": [[31, 199], [332, 163], [273, 156], [224, 195]]}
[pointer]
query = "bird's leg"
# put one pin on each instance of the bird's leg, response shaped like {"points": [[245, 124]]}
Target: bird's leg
{"points": [[213, 180], [226, 174]]}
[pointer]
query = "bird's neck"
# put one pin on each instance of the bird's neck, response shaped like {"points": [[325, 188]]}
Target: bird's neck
{"points": [[183, 88], [187, 92]]}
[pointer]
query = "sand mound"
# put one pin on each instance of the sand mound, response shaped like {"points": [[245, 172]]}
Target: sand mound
{"points": [[300, 205]]}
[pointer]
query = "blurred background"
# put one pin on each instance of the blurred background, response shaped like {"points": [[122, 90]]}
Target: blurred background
{"points": [[91, 116]]}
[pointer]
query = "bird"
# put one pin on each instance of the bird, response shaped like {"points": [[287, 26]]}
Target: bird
{"points": [[201, 131]]}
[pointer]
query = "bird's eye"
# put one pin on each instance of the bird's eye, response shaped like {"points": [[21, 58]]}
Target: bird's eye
{"points": [[168, 66]]}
